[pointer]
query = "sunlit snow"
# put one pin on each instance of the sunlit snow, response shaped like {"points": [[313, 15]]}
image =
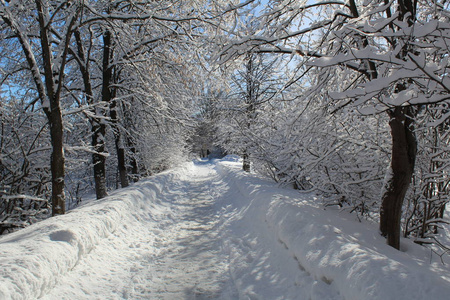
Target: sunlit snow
{"points": [[207, 230]]}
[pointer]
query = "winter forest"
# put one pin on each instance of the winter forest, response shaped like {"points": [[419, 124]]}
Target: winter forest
{"points": [[347, 100]]}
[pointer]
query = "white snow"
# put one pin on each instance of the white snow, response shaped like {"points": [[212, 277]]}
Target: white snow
{"points": [[207, 230]]}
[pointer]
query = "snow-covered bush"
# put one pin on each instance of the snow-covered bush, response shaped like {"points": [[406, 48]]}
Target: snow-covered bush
{"points": [[342, 156], [369, 65], [429, 194], [24, 171]]}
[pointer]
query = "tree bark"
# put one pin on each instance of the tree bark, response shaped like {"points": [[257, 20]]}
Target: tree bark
{"points": [[250, 102], [57, 161], [121, 160], [120, 149], [98, 158], [98, 128], [404, 148], [108, 96], [133, 162], [246, 162], [133, 167]]}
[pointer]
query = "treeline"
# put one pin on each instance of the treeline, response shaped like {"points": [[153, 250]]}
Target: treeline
{"points": [[94, 95]]}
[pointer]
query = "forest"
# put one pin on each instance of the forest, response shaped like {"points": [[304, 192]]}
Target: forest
{"points": [[347, 99]]}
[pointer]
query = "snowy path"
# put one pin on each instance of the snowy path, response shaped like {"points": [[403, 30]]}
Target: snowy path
{"points": [[208, 231], [187, 249], [189, 263], [175, 253]]}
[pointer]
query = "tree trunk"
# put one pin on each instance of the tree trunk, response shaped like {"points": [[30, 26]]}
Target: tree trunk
{"points": [[53, 78], [246, 162], [108, 96], [404, 148], [251, 98], [133, 161], [57, 161], [98, 128], [128, 123], [98, 158], [123, 174], [120, 149]]}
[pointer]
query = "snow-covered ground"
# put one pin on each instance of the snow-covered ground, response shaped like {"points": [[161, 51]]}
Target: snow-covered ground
{"points": [[209, 231]]}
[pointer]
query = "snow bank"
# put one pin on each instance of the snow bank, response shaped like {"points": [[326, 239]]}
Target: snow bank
{"points": [[256, 224], [33, 259], [334, 248]]}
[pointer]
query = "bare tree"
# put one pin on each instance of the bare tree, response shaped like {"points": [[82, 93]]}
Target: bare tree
{"points": [[47, 66]]}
